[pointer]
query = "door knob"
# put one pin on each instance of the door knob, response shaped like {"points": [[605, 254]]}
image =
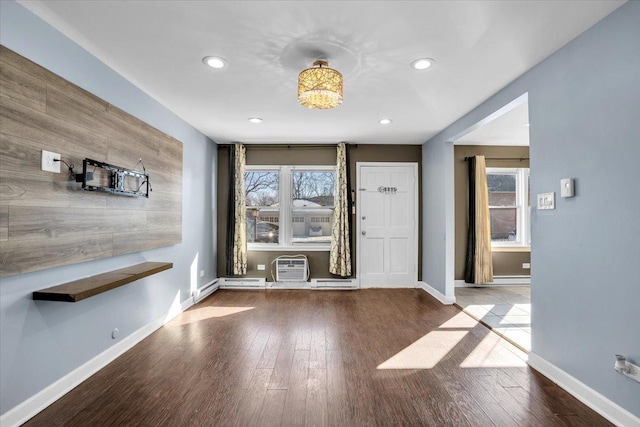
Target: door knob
{"points": [[364, 233], [364, 217]]}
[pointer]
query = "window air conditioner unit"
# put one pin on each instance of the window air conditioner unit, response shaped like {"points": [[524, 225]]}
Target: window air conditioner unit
{"points": [[291, 270]]}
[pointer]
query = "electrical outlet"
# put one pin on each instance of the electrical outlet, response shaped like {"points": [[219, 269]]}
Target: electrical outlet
{"points": [[526, 265], [48, 163], [261, 267], [201, 273]]}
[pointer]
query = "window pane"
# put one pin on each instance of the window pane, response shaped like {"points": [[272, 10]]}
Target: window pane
{"points": [[263, 210], [312, 206], [313, 189], [503, 225], [312, 225], [261, 188], [502, 190]]}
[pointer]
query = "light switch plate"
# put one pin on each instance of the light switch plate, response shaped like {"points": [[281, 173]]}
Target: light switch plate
{"points": [[546, 201], [261, 267]]}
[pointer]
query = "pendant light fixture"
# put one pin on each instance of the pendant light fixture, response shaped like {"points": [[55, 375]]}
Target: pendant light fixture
{"points": [[320, 87]]}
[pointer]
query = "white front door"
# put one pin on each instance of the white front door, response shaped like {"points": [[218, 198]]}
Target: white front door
{"points": [[387, 224]]}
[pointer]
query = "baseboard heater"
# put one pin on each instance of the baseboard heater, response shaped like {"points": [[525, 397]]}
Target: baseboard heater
{"points": [[205, 291], [334, 284], [289, 284], [242, 283]]}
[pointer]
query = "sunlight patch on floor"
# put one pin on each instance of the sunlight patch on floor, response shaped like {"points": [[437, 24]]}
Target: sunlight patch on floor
{"points": [[460, 320], [492, 353], [205, 313], [426, 352]]}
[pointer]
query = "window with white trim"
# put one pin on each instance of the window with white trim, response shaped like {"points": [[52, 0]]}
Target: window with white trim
{"points": [[289, 207], [509, 206]]}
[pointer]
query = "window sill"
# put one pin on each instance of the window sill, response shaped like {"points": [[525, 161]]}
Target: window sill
{"points": [[297, 248], [511, 249]]}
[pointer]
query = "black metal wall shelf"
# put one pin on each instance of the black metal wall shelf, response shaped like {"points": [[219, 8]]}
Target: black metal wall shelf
{"points": [[119, 179]]}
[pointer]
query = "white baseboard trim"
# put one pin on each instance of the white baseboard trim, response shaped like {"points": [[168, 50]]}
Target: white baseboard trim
{"points": [[261, 283], [585, 394], [497, 282], [436, 294], [409, 286], [45, 397]]}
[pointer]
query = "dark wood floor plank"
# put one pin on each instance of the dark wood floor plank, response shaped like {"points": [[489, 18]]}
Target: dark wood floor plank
{"points": [[318, 356], [295, 404], [304, 358], [251, 402], [270, 354], [272, 408], [284, 361], [339, 414], [316, 407], [488, 403], [518, 411]]}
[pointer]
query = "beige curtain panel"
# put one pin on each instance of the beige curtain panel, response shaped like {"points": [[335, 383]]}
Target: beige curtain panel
{"points": [[340, 256], [239, 252], [479, 263]]}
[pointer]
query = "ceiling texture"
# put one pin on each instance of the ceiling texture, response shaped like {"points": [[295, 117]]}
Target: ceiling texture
{"points": [[478, 47]]}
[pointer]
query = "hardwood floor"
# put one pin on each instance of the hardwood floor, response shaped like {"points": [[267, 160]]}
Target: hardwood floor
{"points": [[338, 358]]}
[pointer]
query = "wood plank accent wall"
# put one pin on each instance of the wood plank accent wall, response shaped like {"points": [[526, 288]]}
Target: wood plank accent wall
{"points": [[47, 220]]}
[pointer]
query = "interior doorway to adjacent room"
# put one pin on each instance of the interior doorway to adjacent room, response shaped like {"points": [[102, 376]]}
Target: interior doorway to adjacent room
{"points": [[505, 303]]}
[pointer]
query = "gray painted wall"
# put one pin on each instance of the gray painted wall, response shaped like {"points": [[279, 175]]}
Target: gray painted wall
{"points": [[436, 237], [584, 111], [42, 341]]}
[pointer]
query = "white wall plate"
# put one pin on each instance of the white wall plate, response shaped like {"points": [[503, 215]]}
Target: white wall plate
{"points": [[546, 201]]}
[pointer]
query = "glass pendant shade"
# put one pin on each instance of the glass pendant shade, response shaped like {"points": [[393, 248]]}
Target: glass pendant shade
{"points": [[320, 87]]}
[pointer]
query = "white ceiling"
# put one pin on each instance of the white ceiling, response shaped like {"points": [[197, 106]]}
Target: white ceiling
{"points": [[479, 48], [511, 128]]}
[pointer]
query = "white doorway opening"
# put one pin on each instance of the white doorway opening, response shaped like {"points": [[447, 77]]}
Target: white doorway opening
{"points": [[503, 139]]}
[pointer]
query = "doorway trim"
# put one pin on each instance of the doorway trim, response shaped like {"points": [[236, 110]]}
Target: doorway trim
{"points": [[414, 167], [450, 218]]}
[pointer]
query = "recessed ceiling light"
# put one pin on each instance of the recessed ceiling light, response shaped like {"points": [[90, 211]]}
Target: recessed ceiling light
{"points": [[214, 62], [255, 119], [422, 63], [385, 121]]}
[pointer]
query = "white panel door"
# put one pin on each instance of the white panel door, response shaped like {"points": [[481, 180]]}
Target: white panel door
{"points": [[387, 224]]}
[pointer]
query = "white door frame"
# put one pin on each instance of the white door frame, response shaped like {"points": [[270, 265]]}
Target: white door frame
{"points": [[414, 166]]}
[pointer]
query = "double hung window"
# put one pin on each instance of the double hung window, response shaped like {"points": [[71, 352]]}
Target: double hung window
{"points": [[509, 206], [289, 207]]}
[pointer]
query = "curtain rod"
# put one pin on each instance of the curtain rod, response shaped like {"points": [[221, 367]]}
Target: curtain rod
{"points": [[288, 146], [520, 159]]}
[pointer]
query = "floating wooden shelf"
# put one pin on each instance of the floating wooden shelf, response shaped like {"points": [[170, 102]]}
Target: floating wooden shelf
{"points": [[94, 285]]}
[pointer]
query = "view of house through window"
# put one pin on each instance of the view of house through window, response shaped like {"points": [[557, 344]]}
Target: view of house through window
{"points": [[289, 206], [509, 202], [262, 206], [312, 206]]}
